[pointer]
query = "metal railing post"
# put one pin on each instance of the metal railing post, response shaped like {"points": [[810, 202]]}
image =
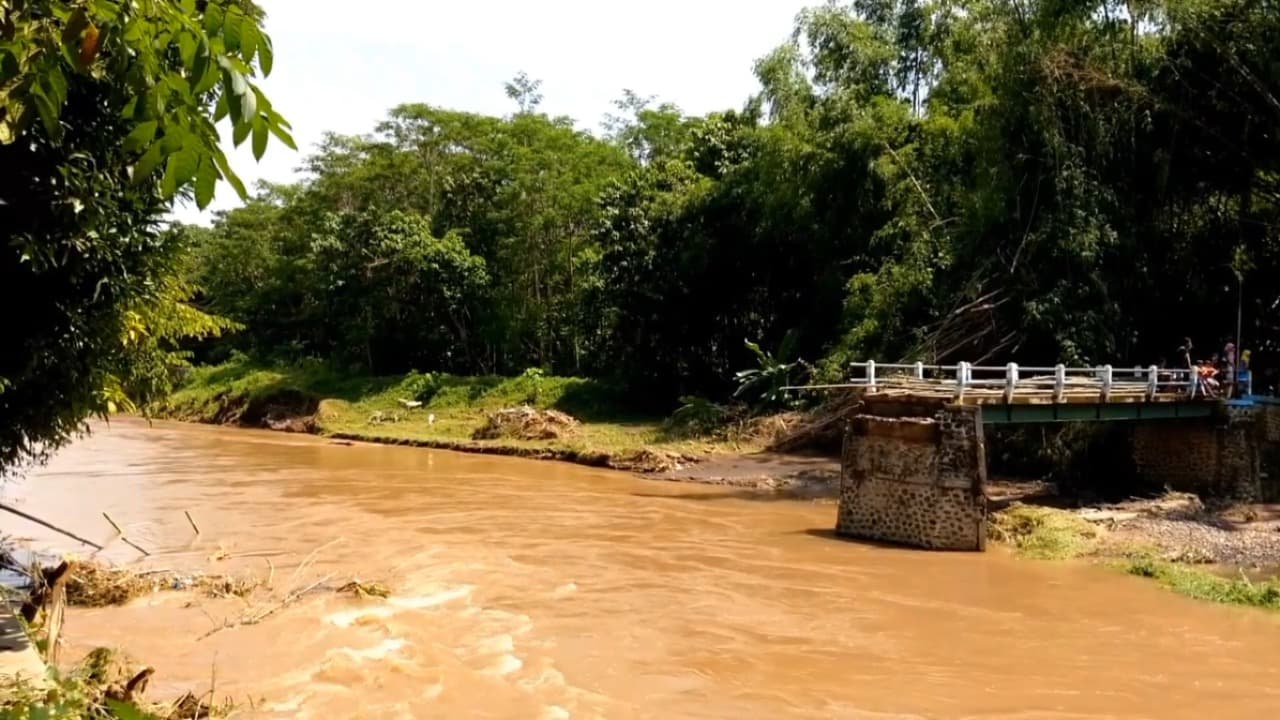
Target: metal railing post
{"points": [[871, 374], [962, 379], [919, 371], [1059, 382], [1010, 381], [1107, 374], [1153, 382]]}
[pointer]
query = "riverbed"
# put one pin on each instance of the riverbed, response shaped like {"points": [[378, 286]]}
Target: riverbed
{"points": [[524, 589]]}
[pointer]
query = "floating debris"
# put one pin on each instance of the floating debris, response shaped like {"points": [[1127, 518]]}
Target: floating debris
{"points": [[365, 590]]}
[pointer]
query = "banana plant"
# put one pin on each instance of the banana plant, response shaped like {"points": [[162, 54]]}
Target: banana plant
{"points": [[763, 385]]}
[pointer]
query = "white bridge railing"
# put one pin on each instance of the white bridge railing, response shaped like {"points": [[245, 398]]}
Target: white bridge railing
{"points": [[1011, 380]]}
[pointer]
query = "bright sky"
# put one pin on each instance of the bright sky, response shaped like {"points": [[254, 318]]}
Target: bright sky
{"points": [[340, 65]]}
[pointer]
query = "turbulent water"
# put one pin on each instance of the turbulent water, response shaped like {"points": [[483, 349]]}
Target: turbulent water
{"points": [[541, 590]]}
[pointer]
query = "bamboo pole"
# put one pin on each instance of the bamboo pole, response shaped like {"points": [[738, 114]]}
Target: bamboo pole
{"points": [[51, 526]]}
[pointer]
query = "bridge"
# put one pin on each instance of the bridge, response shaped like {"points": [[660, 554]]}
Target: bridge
{"points": [[914, 457], [1015, 394]]}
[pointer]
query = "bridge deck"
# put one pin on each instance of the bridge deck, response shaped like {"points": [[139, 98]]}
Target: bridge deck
{"points": [[1011, 394], [1072, 394]]}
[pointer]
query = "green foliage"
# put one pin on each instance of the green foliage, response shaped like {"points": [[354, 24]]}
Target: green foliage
{"points": [[764, 384], [921, 179], [107, 113], [75, 695], [697, 416], [532, 378], [1205, 585], [422, 386], [164, 64], [1044, 533]]}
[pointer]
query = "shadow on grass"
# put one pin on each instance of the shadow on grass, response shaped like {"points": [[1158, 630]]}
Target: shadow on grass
{"points": [[598, 401]]}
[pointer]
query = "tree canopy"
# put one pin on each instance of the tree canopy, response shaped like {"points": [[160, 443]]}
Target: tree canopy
{"points": [[987, 180], [107, 114]]}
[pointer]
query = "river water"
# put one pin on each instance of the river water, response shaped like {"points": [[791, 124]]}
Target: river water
{"points": [[525, 589]]}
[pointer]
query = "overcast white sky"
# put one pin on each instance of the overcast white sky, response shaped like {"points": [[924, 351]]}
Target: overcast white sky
{"points": [[341, 64]]}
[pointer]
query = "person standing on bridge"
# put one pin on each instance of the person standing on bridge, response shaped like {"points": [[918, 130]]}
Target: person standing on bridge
{"points": [[1228, 368], [1184, 362]]}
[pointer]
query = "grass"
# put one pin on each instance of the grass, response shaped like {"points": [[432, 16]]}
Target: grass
{"points": [[1051, 534], [1044, 533], [369, 408], [1204, 585]]}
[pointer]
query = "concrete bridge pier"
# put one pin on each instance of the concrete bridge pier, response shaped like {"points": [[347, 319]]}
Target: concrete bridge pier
{"points": [[913, 473]]}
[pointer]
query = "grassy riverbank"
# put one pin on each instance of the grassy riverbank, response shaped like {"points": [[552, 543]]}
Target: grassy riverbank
{"points": [[316, 397], [1051, 534]]}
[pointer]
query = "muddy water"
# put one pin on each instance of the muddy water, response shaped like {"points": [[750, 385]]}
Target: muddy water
{"points": [[540, 590]]}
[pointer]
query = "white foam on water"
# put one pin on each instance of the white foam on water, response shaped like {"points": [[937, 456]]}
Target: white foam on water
{"points": [[566, 589], [505, 665], [377, 652], [420, 602], [393, 605], [289, 705], [554, 712], [433, 691], [498, 644], [548, 677]]}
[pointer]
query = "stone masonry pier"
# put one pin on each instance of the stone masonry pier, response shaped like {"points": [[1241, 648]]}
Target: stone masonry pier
{"points": [[1233, 456], [913, 473]]}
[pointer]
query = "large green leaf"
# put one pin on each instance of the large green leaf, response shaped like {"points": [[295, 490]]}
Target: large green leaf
{"points": [[266, 55], [282, 135], [259, 137], [182, 166], [148, 163], [206, 183], [141, 136], [228, 174], [48, 113], [249, 39], [231, 34], [240, 132]]}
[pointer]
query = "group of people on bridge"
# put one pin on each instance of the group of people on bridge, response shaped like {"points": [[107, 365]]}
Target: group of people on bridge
{"points": [[1222, 375]]}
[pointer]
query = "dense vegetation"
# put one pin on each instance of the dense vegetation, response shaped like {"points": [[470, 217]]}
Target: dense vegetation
{"points": [[1030, 180], [107, 113]]}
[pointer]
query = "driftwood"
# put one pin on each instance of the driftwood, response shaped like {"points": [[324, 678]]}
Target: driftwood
{"points": [[51, 526], [190, 520], [823, 428]]}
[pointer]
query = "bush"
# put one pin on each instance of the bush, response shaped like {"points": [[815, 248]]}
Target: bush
{"points": [[697, 416], [422, 386]]}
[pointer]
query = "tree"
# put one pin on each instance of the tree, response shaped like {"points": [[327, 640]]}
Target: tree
{"points": [[107, 112], [392, 295], [917, 179], [524, 91]]}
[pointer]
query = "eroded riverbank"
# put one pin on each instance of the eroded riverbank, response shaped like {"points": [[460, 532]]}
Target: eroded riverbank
{"points": [[547, 590]]}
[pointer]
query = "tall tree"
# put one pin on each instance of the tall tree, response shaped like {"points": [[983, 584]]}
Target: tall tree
{"points": [[107, 113]]}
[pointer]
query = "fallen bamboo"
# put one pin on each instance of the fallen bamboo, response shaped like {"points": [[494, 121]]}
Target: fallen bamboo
{"points": [[193, 522], [119, 530], [51, 526], [255, 618], [133, 545]]}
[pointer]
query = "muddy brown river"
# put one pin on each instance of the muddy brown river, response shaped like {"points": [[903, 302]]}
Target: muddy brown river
{"points": [[540, 590]]}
